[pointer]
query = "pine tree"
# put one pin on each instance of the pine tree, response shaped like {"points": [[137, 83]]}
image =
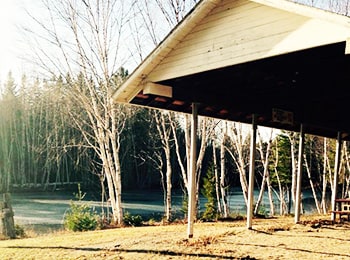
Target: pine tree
{"points": [[209, 192]]}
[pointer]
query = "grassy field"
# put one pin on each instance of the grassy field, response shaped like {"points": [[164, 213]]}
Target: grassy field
{"points": [[279, 238]]}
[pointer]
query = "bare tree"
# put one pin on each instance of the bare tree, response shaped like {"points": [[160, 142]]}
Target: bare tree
{"points": [[223, 184], [174, 10], [324, 177], [217, 180], [292, 136], [182, 160], [264, 155], [339, 6], [8, 106], [310, 2], [207, 127], [347, 167], [163, 120], [85, 48], [238, 149], [282, 188], [152, 21], [312, 186]]}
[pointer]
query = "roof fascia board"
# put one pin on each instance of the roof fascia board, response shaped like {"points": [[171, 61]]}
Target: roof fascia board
{"points": [[134, 82], [305, 10]]}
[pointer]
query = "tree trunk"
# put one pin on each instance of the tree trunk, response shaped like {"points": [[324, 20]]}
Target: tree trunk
{"points": [[7, 226], [204, 142], [265, 162], [270, 194], [183, 169], [317, 204], [239, 145], [281, 189], [163, 124], [223, 187], [294, 164], [324, 177], [347, 164], [217, 181]]}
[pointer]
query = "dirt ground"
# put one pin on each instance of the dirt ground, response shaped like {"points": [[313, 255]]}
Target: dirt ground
{"points": [[316, 237]]}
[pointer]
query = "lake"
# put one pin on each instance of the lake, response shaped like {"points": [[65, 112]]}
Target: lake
{"points": [[45, 210]]}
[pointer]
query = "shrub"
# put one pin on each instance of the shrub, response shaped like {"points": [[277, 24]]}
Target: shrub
{"points": [[131, 220], [184, 207], [211, 211], [262, 211], [19, 231], [80, 216]]}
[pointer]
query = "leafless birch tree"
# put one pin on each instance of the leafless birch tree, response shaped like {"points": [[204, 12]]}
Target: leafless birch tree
{"points": [[239, 151], [266, 182], [207, 128], [82, 40], [223, 182], [163, 121], [293, 136], [279, 180]]}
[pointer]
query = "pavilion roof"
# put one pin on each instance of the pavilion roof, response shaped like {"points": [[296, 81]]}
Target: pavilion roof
{"points": [[285, 62]]}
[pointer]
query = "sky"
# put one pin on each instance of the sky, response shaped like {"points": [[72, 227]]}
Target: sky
{"points": [[10, 15], [13, 47]]}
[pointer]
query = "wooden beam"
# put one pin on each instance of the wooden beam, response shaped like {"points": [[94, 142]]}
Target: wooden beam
{"points": [[158, 90]]}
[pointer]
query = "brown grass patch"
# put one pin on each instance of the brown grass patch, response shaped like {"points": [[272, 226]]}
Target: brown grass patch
{"points": [[279, 238]]}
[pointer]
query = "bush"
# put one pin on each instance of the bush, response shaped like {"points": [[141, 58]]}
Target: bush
{"points": [[184, 207], [19, 231], [80, 216], [130, 220], [211, 211], [262, 212]]}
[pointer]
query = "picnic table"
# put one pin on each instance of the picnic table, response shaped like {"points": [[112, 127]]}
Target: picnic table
{"points": [[342, 208]]}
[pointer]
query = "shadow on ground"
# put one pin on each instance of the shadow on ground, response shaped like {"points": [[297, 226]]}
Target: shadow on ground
{"points": [[141, 251]]}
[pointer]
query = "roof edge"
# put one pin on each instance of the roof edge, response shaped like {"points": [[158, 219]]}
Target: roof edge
{"points": [[198, 12], [306, 10], [133, 84]]}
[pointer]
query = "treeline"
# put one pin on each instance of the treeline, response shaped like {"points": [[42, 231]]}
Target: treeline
{"points": [[42, 147], [38, 145]]}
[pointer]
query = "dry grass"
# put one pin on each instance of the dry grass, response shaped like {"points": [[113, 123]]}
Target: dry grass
{"points": [[315, 238]]}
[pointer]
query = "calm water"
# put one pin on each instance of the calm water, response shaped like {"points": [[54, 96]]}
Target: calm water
{"points": [[47, 209]]}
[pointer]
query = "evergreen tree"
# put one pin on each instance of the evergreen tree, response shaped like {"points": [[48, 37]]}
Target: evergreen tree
{"points": [[209, 192]]}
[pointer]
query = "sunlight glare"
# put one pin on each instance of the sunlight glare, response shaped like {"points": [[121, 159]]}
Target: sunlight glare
{"points": [[7, 27]]}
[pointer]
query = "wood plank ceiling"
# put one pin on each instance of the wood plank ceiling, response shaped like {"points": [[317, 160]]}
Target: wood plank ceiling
{"points": [[309, 86]]}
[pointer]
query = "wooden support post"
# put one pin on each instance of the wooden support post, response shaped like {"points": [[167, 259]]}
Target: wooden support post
{"points": [[336, 174], [192, 173], [300, 175], [251, 173]]}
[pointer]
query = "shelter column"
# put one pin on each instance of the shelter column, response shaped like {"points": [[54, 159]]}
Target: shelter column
{"points": [[336, 173], [192, 174], [300, 175], [251, 173]]}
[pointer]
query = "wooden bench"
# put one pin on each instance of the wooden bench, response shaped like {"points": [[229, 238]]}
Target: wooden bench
{"points": [[341, 213], [342, 208]]}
